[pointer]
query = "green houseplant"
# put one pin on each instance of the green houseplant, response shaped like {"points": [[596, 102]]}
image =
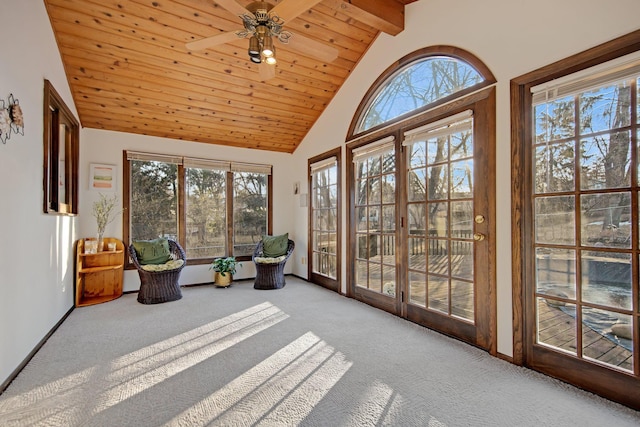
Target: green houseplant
{"points": [[225, 268]]}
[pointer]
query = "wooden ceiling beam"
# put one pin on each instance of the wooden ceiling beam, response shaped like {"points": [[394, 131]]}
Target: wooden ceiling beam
{"points": [[385, 15]]}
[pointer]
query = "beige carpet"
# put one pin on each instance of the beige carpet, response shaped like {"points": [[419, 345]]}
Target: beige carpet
{"points": [[301, 355]]}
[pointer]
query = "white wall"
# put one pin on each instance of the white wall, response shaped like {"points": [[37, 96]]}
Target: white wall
{"points": [[511, 38], [105, 147], [36, 263]]}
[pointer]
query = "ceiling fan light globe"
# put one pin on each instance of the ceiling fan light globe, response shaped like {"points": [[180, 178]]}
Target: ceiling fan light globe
{"points": [[271, 60], [255, 59], [267, 48]]}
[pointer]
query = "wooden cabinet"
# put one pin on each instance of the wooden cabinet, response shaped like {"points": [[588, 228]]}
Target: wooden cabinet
{"points": [[99, 276]]}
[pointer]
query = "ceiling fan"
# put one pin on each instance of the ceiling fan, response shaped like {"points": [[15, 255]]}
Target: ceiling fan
{"points": [[264, 22]]}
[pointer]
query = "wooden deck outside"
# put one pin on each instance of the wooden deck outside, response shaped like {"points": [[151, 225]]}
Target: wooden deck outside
{"points": [[558, 329]]}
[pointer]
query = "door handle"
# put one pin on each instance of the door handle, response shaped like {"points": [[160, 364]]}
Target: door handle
{"points": [[478, 237]]}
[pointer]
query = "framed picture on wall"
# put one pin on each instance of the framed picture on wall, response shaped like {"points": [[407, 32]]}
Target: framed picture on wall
{"points": [[102, 177]]}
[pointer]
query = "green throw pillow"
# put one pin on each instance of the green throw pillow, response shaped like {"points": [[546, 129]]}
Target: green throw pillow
{"points": [[154, 251], [275, 246]]}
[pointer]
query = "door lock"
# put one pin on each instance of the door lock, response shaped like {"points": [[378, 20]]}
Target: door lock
{"points": [[479, 219]]}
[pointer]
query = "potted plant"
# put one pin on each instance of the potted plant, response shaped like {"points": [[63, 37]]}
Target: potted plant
{"points": [[224, 268]]}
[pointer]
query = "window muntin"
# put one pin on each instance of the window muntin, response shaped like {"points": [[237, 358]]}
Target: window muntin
{"points": [[583, 187], [225, 210], [416, 85]]}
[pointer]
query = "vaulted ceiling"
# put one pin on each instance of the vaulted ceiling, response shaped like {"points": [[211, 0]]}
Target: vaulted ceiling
{"points": [[130, 71]]}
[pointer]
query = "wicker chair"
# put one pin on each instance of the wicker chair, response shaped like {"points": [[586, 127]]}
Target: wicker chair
{"points": [[270, 276], [160, 286]]}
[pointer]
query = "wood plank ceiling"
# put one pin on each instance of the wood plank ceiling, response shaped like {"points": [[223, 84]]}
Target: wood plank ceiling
{"points": [[129, 69]]}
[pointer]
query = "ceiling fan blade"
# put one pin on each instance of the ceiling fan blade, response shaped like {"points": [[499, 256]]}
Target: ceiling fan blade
{"points": [[289, 9], [266, 71], [312, 48], [234, 7], [212, 41]]}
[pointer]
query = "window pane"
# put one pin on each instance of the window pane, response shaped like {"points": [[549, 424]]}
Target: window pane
{"points": [[556, 325], [556, 272], [249, 211], [607, 337], [555, 220], [606, 220], [605, 108], [606, 279], [206, 213], [605, 161], [154, 200], [419, 84], [555, 120], [554, 167]]}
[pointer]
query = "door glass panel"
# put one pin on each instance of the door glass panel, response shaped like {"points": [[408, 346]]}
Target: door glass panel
{"points": [[462, 299], [417, 288], [417, 255], [462, 259], [376, 222], [445, 226], [438, 178], [438, 293]]}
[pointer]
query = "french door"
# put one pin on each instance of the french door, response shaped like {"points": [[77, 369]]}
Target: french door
{"points": [[424, 223], [324, 219]]}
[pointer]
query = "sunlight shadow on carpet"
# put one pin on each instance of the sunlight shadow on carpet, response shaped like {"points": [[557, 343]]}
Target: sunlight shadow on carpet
{"points": [[133, 373], [283, 389]]}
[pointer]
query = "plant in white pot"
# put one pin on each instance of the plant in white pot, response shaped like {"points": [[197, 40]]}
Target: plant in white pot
{"points": [[224, 268]]}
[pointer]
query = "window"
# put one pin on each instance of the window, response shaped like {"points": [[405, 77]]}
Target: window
{"points": [[420, 81], [213, 208], [576, 210], [583, 211], [61, 154]]}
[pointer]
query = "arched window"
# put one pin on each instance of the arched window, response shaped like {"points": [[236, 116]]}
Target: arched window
{"points": [[420, 81]]}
